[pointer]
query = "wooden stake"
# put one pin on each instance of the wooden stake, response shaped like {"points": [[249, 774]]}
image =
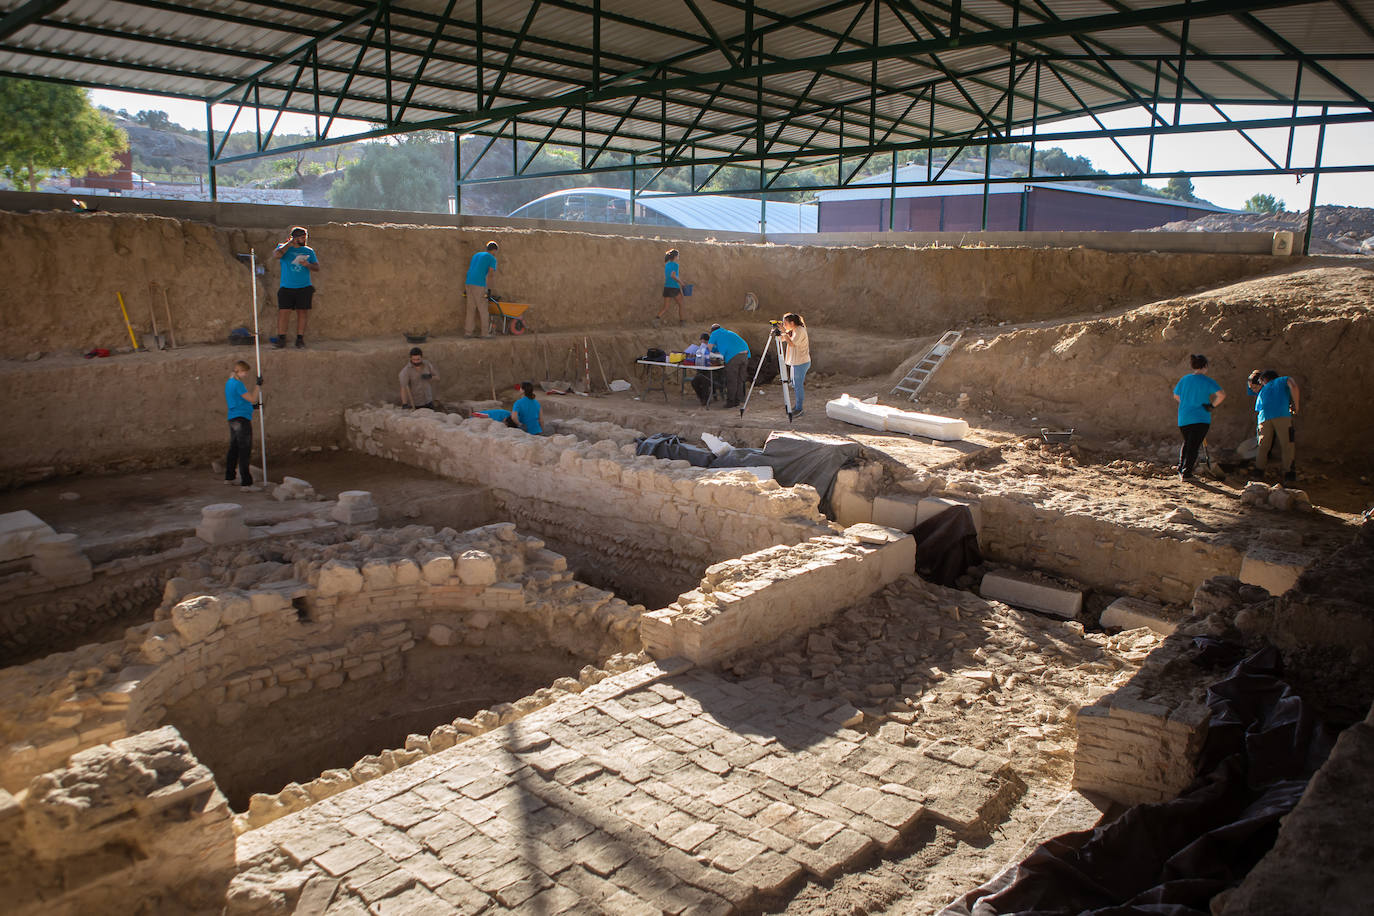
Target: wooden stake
{"points": [[171, 331], [491, 377], [601, 367]]}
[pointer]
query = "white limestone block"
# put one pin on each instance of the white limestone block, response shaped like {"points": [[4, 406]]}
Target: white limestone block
{"points": [[1053, 600], [851, 507], [18, 531], [436, 568], [222, 523], [932, 506], [355, 507], [339, 578], [405, 572], [1276, 571], [898, 511], [476, 567], [378, 573], [1129, 613], [196, 618], [897, 549]]}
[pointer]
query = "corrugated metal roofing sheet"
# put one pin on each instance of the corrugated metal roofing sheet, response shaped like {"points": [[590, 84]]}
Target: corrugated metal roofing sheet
{"points": [[811, 84], [727, 214]]}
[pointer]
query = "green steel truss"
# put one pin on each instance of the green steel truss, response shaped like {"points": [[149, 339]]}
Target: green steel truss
{"points": [[775, 86]]}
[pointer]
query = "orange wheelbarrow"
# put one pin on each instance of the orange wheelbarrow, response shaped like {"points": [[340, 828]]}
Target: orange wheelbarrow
{"points": [[505, 317]]}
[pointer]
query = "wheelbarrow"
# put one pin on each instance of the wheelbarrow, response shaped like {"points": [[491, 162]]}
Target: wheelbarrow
{"points": [[505, 317]]}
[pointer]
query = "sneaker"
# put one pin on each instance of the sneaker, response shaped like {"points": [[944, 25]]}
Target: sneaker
{"points": [[796, 413], [229, 481], [657, 323], [300, 342], [279, 342]]}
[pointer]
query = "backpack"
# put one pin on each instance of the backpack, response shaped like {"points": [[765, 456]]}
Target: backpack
{"points": [[655, 355]]}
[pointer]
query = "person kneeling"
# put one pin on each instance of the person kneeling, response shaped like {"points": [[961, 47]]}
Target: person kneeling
{"points": [[527, 410]]}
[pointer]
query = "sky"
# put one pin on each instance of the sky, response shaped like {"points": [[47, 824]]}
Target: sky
{"points": [[1344, 145]]}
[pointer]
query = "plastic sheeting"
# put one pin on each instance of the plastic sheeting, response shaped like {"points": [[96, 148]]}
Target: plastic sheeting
{"points": [[946, 545], [794, 459], [1171, 859]]}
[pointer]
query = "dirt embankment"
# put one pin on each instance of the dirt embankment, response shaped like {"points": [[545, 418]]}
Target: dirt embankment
{"points": [[63, 270], [1113, 377]]}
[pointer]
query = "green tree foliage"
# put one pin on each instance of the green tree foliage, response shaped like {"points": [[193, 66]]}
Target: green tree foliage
{"points": [[157, 120], [412, 173], [46, 127], [1180, 187], [1264, 203]]}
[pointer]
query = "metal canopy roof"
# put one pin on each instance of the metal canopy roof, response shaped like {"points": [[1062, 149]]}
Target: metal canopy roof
{"points": [[781, 83]]}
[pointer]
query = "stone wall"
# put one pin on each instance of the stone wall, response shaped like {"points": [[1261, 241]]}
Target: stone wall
{"points": [[778, 592], [657, 523], [133, 826], [1140, 744], [349, 616]]}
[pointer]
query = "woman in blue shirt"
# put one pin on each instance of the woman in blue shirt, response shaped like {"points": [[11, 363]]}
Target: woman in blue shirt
{"points": [[673, 282], [527, 410], [240, 402], [1196, 394]]}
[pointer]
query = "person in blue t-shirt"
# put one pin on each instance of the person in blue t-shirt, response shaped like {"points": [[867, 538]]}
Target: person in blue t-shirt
{"points": [[480, 270], [1276, 402], [1196, 393], [527, 409], [240, 402], [673, 282], [297, 290], [735, 352]]}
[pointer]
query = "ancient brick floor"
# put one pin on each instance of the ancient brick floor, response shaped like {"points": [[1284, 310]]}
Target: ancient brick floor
{"points": [[665, 789]]}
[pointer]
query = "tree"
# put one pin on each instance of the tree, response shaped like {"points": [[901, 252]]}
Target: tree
{"points": [[1264, 203], [45, 127], [412, 173], [157, 120], [1180, 187]]}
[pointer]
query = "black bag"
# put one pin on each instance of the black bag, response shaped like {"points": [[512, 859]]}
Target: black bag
{"points": [[655, 355], [702, 386]]}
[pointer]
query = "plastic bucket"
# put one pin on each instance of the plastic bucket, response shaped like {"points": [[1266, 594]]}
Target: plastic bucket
{"points": [[687, 290]]}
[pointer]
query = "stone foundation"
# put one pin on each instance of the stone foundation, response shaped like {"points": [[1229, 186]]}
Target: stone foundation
{"points": [[655, 523], [351, 615], [781, 591], [1140, 744], [133, 826]]}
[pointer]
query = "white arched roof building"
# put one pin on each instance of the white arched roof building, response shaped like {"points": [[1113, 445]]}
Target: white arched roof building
{"points": [[728, 214]]}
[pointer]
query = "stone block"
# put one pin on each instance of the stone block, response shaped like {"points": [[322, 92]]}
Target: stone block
{"points": [[1049, 599], [18, 532], [476, 567], [355, 507], [441, 635], [932, 506], [196, 618], [1275, 571], [338, 577], [898, 511], [58, 559], [1129, 613], [436, 568], [897, 551], [378, 574], [850, 505], [222, 523]]}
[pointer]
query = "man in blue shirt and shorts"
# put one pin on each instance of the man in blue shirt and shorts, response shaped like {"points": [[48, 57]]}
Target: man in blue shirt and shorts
{"points": [[297, 290], [480, 269]]}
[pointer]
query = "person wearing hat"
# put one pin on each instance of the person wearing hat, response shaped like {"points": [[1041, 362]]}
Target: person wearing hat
{"points": [[1196, 395], [736, 354], [416, 378]]}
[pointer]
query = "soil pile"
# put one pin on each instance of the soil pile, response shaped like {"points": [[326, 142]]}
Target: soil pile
{"points": [[1335, 230], [1113, 376]]}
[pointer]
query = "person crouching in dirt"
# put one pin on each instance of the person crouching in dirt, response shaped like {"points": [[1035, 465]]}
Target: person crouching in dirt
{"points": [[241, 403], [417, 377], [1196, 393], [527, 410], [1276, 403]]}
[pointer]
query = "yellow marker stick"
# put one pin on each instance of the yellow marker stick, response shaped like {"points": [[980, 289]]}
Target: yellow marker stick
{"points": [[125, 312]]}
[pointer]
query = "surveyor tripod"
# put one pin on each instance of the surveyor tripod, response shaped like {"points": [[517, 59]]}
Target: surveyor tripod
{"points": [[778, 348]]}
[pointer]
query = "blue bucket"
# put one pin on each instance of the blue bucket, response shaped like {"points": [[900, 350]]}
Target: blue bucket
{"points": [[687, 290]]}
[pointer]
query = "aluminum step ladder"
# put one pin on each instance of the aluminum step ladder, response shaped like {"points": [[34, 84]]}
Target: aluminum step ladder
{"points": [[925, 367]]}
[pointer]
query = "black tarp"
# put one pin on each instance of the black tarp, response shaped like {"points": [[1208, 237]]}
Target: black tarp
{"points": [[946, 545], [1170, 859], [794, 459]]}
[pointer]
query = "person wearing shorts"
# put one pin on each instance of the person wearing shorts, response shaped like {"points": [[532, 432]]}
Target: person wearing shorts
{"points": [[672, 287], [296, 292]]}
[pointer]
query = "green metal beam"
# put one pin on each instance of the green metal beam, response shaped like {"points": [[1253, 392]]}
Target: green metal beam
{"points": [[26, 15]]}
